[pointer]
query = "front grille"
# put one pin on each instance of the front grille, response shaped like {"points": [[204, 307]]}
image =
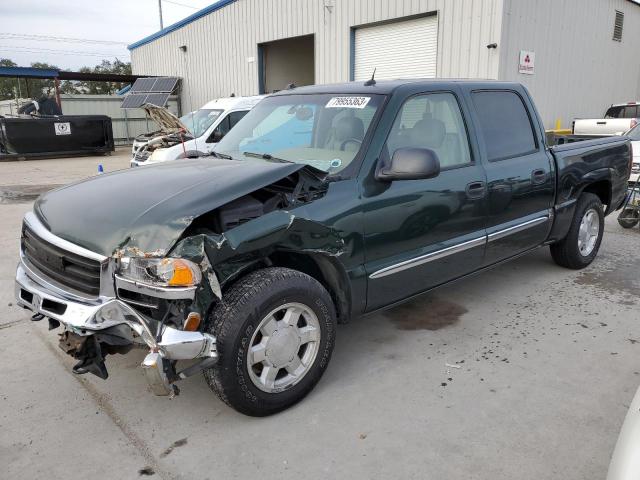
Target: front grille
{"points": [[66, 268]]}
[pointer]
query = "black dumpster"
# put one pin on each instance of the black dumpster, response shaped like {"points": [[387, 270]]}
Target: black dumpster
{"points": [[55, 136]]}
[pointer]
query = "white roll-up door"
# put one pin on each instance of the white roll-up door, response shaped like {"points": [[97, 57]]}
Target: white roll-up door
{"points": [[402, 49]]}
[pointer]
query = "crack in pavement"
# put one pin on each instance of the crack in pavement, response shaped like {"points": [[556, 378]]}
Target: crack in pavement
{"points": [[103, 403], [10, 324]]}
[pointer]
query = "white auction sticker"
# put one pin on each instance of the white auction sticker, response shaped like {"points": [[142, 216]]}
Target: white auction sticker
{"points": [[63, 128], [348, 102]]}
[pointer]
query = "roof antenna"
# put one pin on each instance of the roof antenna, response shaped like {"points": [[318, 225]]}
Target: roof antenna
{"points": [[291, 86], [372, 81]]}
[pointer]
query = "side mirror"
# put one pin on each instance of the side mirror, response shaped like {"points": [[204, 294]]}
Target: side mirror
{"points": [[410, 164], [215, 136]]}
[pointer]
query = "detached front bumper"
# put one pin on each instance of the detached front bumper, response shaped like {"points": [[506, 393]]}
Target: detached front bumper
{"points": [[84, 317]]}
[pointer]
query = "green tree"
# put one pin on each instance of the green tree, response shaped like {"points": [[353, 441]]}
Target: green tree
{"points": [[109, 88], [8, 85], [25, 87], [37, 87]]}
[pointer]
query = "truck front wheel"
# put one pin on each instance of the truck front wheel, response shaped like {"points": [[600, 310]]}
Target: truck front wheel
{"points": [[275, 332], [579, 248]]}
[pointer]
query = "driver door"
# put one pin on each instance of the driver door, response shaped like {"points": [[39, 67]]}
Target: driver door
{"points": [[422, 233]]}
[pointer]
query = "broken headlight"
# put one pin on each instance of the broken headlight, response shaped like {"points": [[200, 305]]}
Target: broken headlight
{"points": [[161, 272]]}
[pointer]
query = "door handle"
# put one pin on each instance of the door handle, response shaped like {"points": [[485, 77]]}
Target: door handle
{"points": [[538, 176], [476, 190]]}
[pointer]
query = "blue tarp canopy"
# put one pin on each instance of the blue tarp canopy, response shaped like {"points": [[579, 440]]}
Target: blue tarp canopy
{"points": [[29, 72]]}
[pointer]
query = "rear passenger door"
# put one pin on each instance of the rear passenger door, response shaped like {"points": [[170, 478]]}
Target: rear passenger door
{"points": [[520, 175], [421, 233]]}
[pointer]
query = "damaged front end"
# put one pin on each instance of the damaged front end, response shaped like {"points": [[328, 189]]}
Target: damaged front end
{"points": [[55, 279], [161, 297]]}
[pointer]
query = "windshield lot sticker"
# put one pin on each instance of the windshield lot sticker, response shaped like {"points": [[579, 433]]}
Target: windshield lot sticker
{"points": [[348, 102]]}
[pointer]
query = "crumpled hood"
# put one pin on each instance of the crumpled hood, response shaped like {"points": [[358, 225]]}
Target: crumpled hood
{"points": [[145, 210], [166, 120]]}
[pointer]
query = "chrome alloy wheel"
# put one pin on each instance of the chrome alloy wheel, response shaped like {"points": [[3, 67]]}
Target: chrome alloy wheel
{"points": [[588, 233], [283, 347]]}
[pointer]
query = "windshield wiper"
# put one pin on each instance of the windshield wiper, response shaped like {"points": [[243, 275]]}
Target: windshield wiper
{"points": [[266, 156], [222, 155]]}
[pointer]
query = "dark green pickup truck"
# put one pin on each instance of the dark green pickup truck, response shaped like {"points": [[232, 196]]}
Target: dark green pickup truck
{"points": [[323, 203]]}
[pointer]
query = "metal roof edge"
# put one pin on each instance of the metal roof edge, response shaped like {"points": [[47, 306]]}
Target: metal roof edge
{"points": [[185, 21]]}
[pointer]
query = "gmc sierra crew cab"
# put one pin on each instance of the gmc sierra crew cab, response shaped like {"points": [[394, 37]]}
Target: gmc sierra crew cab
{"points": [[322, 204]]}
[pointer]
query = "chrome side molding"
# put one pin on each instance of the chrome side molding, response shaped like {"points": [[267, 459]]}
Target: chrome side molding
{"points": [[461, 247], [429, 257], [516, 228]]}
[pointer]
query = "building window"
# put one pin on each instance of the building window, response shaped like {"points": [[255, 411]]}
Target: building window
{"points": [[617, 26]]}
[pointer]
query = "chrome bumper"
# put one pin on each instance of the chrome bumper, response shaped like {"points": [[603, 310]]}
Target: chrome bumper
{"points": [[82, 317]]}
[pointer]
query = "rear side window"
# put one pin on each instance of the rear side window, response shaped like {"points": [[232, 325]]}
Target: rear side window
{"points": [[628, 111], [505, 124]]}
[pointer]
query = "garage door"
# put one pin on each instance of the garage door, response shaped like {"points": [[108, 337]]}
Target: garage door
{"points": [[404, 49]]}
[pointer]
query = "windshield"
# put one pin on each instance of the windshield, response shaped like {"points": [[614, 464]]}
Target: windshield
{"points": [[324, 131], [634, 133], [197, 122]]}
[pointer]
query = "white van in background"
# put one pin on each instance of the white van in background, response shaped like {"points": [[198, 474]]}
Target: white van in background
{"points": [[192, 135]]}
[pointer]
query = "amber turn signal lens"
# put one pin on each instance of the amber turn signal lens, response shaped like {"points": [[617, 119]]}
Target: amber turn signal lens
{"points": [[182, 274], [192, 322]]}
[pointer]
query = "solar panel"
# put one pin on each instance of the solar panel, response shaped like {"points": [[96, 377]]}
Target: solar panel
{"points": [[164, 85], [159, 99], [150, 90], [143, 85], [135, 100]]}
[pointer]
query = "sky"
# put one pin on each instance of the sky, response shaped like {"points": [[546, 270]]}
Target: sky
{"points": [[76, 33]]}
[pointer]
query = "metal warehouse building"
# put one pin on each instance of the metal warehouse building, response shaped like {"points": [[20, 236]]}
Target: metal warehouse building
{"points": [[575, 56]]}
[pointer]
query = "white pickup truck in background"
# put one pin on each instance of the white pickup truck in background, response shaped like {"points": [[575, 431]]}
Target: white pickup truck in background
{"points": [[617, 120]]}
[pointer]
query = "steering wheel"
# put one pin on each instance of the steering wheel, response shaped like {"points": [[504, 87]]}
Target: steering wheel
{"points": [[350, 140]]}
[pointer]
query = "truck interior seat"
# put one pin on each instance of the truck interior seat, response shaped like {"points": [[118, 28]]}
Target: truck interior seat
{"points": [[346, 128]]}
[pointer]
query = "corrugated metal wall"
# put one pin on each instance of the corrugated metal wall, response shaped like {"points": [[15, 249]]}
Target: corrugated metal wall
{"points": [[579, 69], [222, 52], [127, 123]]}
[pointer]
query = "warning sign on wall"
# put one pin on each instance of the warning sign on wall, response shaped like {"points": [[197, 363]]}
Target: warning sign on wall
{"points": [[527, 61]]}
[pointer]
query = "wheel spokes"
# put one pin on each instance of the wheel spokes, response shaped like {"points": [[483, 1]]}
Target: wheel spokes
{"points": [[268, 376], [292, 316], [270, 326], [308, 334], [295, 367], [257, 354]]}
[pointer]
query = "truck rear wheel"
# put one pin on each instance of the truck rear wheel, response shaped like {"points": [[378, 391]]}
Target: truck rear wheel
{"points": [[275, 332], [580, 247]]}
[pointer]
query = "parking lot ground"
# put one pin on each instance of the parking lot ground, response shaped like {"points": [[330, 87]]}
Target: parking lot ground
{"points": [[525, 371]]}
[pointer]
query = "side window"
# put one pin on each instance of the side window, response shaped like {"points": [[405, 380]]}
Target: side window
{"points": [[432, 121], [630, 111], [505, 124], [235, 117], [221, 130]]}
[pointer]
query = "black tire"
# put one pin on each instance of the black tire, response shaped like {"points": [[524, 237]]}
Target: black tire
{"points": [[566, 252], [629, 218], [234, 321]]}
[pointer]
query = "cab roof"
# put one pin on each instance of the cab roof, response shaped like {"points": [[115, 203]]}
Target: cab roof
{"points": [[385, 87]]}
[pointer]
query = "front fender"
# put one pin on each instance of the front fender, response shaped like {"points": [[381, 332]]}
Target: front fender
{"points": [[225, 256]]}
